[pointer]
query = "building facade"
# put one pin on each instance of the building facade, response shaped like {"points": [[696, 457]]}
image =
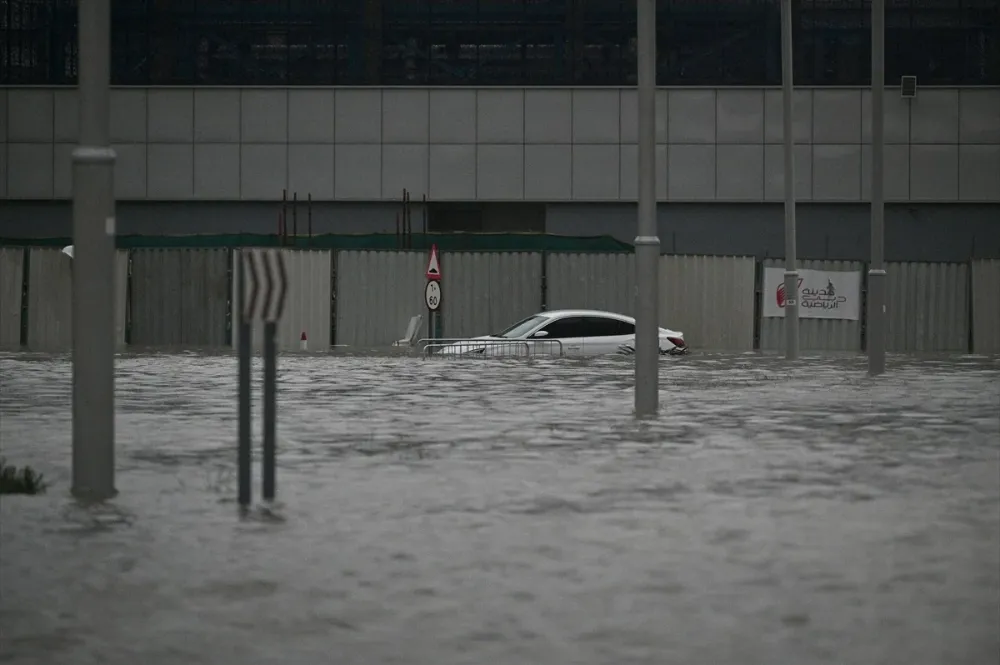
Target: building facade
{"points": [[514, 115]]}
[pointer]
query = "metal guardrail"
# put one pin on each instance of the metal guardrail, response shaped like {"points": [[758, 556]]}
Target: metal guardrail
{"points": [[488, 348]]}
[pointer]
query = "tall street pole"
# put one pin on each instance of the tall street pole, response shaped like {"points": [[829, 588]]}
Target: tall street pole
{"points": [[94, 264], [647, 243], [876, 272], [787, 98]]}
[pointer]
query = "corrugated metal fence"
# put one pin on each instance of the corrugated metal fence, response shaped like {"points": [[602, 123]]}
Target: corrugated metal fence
{"points": [[710, 299], [50, 299], [11, 284], [814, 334], [590, 281], [180, 297], [986, 306], [928, 307], [377, 294], [307, 306], [484, 292]]}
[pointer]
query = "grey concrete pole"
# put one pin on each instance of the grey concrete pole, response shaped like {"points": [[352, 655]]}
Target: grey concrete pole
{"points": [[876, 272], [787, 97], [94, 264], [647, 243]]}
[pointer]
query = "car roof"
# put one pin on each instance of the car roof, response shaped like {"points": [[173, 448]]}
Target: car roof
{"points": [[561, 313]]}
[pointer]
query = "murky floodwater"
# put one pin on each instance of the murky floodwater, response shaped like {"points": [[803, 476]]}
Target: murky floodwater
{"points": [[513, 513]]}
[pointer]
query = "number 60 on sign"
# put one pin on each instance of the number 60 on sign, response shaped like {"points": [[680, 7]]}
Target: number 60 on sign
{"points": [[432, 295]]}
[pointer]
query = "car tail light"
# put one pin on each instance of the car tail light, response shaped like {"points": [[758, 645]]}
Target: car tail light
{"points": [[677, 341]]}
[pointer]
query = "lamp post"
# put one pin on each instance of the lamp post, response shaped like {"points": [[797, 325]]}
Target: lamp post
{"points": [[94, 264], [787, 99], [647, 243], [876, 268]]}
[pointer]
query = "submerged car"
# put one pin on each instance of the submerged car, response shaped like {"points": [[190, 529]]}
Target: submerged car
{"points": [[571, 332]]}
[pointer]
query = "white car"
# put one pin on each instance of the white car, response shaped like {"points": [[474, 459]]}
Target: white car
{"points": [[570, 332]]}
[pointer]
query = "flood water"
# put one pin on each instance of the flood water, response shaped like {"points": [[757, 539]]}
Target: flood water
{"points": [[506, 512]]}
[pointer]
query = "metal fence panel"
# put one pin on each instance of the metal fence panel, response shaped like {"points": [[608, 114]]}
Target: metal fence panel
{"points": [[710, 299], [484, 292], [307, 304], [591, 281], [122, 257], [180, 297], [928, 307], [814, 334], [50, 300], [377, 294], [986, 306], [11, 285]]}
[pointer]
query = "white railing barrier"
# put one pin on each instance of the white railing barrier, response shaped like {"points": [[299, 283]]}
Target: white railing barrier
{"points": [[492, 348]]}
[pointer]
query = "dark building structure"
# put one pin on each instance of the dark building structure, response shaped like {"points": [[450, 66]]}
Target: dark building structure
{"points": [[513, 115]]}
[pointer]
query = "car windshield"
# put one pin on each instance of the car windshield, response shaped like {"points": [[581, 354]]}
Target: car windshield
{"points": [[521, 328]]}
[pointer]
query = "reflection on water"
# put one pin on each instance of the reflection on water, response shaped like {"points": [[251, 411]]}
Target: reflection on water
{"points": [[513, 512]]}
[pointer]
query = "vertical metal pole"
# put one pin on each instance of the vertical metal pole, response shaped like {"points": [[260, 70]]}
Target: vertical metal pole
{"points": [[647, 243], [94, 264], [270, 389], [876, 272], [243, 460], [791, 271]]}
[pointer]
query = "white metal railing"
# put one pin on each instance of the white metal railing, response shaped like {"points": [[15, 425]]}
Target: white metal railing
{"points": [[464, 347]]}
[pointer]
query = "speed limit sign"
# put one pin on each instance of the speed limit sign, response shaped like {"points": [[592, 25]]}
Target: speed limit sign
{"points": [[432, 295]]}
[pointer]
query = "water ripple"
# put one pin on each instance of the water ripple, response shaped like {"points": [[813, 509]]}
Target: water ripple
{"points": [[474, 511]]}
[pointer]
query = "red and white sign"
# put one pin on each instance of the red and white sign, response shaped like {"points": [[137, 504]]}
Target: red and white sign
{"points": [[433, 265], [822, 294]]}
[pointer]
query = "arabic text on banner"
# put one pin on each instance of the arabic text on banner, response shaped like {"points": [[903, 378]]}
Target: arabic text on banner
{"points": [[822, 294]]}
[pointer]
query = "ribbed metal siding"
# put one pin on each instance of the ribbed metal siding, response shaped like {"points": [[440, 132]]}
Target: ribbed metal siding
{"points": [[11, 283], [928, 307], [814, 334], [180, 297], [710, 299], [307, 303], [377, 294], [591, 281], [484, 292], [50, 300], [121, 295], [986, 306]]}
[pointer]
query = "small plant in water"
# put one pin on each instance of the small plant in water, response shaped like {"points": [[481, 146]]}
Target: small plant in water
{"points": [[20, 481]]}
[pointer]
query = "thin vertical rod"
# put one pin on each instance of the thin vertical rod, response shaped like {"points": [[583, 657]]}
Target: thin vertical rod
{"points": [[243, 459], [787, 99], [93, 466], [647, 242], [876, 272], [270, 390]]}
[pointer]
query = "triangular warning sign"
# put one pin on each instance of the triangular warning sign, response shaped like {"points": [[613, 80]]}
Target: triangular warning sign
{"points": [[433, 267]]}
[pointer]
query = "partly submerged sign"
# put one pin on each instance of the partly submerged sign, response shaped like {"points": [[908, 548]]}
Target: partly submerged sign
{"points": [[823, 294]]}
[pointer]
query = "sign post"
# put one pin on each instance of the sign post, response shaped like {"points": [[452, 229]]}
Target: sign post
{"points": [[432, 292], [263, 299]]}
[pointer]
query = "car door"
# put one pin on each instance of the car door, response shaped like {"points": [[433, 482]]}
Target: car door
{"points": [[604, 335]]}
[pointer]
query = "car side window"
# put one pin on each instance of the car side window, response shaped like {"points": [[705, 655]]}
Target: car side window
{"points": [[571, 326], [616, 327], [599, 326]]}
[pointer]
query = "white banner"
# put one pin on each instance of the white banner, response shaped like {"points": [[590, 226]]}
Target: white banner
{"points": [[822, 294]]}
